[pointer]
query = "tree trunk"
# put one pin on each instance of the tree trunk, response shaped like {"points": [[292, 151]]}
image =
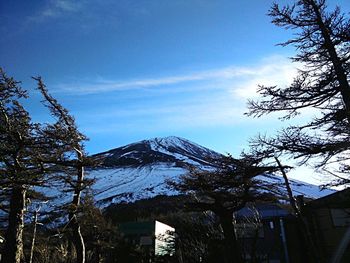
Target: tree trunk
{"points": [[78, 242], [340, 72], [78, 239], [13, 249], [313, 253], [232, 252], [34, 236]]}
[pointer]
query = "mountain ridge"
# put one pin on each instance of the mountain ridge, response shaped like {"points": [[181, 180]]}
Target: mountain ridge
{"points": [[169, 149], [139, 170]]}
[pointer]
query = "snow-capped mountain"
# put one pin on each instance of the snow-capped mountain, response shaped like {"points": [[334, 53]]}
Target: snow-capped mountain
{"points": [[178, 151], [139, 170]]}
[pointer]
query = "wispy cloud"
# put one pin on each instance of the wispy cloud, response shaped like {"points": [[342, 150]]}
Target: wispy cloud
{"points": [[55, 9], [165, 118], [87, 15], [243, 80], [211, 98], [274, 70], [109, 86]]}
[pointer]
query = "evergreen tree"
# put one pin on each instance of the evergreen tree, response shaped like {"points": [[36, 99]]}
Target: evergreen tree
{"points": [[24, 150], [72, 161], [227, 189], [29, 153], [322, 41]]}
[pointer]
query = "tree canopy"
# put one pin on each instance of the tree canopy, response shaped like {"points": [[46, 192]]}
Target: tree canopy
{"points": [[228, 188], [29, 153], [322, 42]]}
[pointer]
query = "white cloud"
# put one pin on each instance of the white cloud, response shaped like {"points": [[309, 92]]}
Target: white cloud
{"points": [[241, 80], [109, 86], [274, 70], [211, 98]]}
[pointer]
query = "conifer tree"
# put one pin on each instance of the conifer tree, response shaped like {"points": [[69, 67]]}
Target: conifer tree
{"points": [[72, 161], [226, 190], [322, 41], [24, 148], [29, 153]]}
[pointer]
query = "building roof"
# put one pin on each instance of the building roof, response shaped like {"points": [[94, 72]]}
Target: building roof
{"points": [[263, 210], [340, 199]]}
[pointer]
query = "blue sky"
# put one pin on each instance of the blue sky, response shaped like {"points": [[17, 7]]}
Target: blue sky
{"points": [[135, 69]]}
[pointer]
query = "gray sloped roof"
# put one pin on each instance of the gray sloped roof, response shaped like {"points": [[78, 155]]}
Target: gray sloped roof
{"points": [[263, 210], [340, 199]]}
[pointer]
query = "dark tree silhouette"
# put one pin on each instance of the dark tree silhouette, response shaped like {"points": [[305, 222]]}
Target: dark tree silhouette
{"points": [[15, 146], [72, 160], [322, 41], [24, 153], [227, 189], [29, 153]]}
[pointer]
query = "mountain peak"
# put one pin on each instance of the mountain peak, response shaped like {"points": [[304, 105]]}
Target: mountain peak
{"points": [[174, 139], [171, 149], [169, 141]]}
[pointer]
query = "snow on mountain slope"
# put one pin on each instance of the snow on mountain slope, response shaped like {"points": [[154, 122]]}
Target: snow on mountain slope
{"points": [[139, 170], [116, 185], [183, 150], [166, 150], [299, 187]]}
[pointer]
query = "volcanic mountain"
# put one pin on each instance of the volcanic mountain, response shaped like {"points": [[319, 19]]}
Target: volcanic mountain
{"points": [[139, 170]]}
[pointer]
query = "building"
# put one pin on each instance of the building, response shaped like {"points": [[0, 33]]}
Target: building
{"points": [[156, 238], [269, 233], [329, 221]]}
